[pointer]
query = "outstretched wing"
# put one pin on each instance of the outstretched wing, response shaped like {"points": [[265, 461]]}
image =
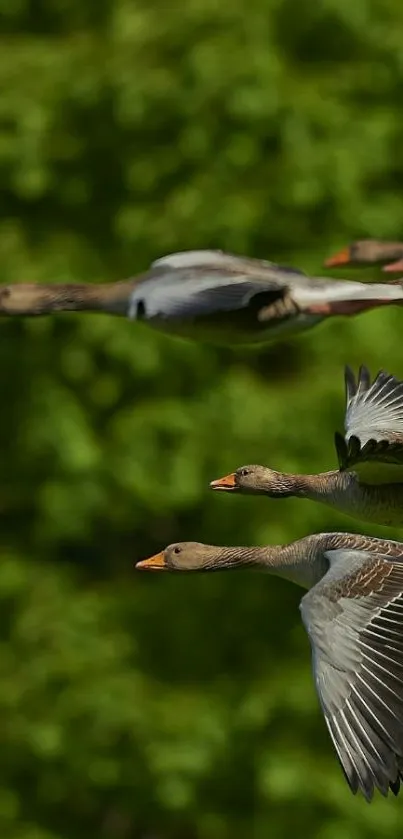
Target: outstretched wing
{"points": [[354, 619], [199, 283], [216, 259], [373, 441]]}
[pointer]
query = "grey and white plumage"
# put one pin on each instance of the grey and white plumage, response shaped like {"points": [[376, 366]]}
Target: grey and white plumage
{"points": [[223, 297], [372, 445], [211, 296], [353, 614], [354, 619]]}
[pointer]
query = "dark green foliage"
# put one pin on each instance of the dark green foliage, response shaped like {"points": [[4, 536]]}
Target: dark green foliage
{"points": [[137, 707]]}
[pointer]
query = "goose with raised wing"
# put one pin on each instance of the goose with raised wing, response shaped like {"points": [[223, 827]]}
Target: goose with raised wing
{"points": [[353, 614], [366, 252], [210, 296], [369, 482]]}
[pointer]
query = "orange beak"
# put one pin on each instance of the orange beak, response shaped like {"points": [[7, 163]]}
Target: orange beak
{"points": [[394, 266], [154, 563], [226, 483], [340, 258]]}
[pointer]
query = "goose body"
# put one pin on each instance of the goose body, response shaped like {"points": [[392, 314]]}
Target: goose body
{"points": [[369, 482], [353, 614], [365, 252], [396, 267], [211, 295]]}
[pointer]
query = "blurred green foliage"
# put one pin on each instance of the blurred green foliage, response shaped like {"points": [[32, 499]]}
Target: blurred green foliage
{"points": [[139, 707]]}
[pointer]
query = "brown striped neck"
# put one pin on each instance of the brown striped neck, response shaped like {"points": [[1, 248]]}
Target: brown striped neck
{"points": [[304, 562], [320, 486], [301, 562], [43, 299], [306, 551], [261, 480], [216, 558]]}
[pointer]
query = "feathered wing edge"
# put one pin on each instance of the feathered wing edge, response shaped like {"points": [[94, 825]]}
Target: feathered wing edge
{"points": [[374, 417], [354, 621]]}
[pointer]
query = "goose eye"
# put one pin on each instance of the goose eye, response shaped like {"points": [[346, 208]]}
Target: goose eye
{"points": [[244, 472], [177, 550]]}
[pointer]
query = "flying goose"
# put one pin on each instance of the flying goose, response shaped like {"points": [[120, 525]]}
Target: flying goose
{"points": [[365, 252], [211, 296], [353, 614], [369, 482]]}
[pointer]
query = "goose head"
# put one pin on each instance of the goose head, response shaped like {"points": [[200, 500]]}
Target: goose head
{"points": [[364, 252], [256, 480], [195, 556]]}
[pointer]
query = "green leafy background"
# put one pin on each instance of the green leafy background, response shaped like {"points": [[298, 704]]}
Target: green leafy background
{"points": [[139, 707]]}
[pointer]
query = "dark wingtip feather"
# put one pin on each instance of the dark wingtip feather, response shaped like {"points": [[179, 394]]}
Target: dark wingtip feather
{"points": [[382, 377], [395, 786], [354, 447], [350, 384], [363, 382], [351, 778], [347, 452], [341, 450], [364, 378]]}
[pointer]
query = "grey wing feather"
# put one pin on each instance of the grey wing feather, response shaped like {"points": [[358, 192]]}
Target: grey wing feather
{"points": [[374, 411], [354, 619], [191, 259], [220, 260], [197, 283], [202, 295], [373, 423]]}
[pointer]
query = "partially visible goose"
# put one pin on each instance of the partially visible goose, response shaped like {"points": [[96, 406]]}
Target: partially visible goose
{"points": [[369, 482], [396, 267], [210, 295], [354, 618], [365, 252]]}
